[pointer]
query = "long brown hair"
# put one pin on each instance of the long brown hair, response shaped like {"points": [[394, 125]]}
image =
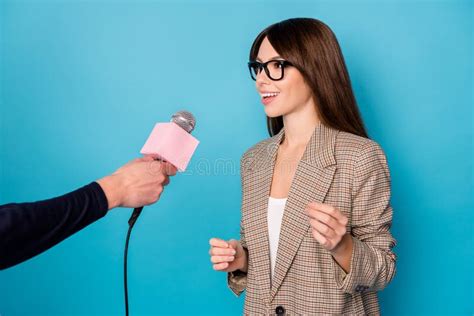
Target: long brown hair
{"points": [[312, 48]]}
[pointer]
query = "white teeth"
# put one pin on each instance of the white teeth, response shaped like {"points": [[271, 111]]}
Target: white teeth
{"points": [[269, 94]]}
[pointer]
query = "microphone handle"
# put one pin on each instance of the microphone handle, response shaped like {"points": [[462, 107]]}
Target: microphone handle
{"points": [[136, 212]]}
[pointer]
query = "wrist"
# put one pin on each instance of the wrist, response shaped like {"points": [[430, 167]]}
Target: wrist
{"points": [[112, 187], [343, 247]]}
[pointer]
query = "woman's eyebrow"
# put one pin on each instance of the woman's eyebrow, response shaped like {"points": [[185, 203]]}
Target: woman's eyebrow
{"points": [[273, 58]]}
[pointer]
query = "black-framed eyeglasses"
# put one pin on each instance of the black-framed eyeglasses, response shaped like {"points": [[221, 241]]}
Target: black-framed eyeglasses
{"points": [[275, 69]]}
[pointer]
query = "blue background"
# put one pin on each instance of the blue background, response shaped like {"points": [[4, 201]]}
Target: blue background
{"points": [[83, 82]]}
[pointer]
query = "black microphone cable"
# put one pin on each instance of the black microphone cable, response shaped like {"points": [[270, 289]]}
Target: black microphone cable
{"points": [[131, 222]]}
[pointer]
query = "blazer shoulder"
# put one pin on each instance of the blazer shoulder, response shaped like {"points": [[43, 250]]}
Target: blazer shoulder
{"points": [[257, 151], [256, 148], [349, 145]]}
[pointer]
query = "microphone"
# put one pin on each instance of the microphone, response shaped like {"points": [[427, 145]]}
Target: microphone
{"points": [[171, 142]]}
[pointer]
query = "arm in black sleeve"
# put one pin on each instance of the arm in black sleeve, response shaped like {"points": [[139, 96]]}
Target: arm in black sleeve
{"points": [[28, 229]]}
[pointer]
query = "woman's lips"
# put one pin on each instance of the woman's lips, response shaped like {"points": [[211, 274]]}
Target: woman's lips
{"points": [[268, 100]]}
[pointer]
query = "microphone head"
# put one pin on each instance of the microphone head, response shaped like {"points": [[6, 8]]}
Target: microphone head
{"points": [[185, 120]]}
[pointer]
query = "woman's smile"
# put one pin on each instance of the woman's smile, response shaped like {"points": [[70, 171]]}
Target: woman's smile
{"points": [[268, 97]]}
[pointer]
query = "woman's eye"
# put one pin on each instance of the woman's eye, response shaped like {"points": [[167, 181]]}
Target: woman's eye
{"points": [[277, 65]]}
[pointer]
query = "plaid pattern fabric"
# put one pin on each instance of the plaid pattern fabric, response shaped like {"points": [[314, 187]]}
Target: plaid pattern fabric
{"points": [[337, 168]]}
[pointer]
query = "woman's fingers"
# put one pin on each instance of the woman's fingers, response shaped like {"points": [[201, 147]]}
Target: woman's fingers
{"points": [[220, 266], [216, 242], [321, 239], [327, 209], [323, 229], [328, 224], [223, 254], [220, 251], [331, 217], [220, 259], [217, 251], [323, 218]]}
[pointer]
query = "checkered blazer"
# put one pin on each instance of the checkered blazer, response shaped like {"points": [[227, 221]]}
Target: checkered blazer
{"points": [[337, 168]]}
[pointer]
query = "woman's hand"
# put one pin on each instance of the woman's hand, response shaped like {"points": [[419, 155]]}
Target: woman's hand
{"points": [[328, 225], [227, 256]]}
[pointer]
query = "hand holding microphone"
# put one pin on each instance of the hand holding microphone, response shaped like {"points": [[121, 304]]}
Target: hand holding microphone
{"points": [[140, 182], [28, 229]]}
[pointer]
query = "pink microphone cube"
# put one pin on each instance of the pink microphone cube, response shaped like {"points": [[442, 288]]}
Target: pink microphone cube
{"points": [[170, 142]]}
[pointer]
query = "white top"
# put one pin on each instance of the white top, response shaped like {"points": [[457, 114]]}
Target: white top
{"points": [[275, 216]]}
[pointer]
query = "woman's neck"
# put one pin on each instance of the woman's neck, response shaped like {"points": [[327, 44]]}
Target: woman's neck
{"points": [[299, 128]]}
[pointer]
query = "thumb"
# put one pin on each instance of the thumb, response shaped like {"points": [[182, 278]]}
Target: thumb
{"points": [[146, 158], [234, 244]]}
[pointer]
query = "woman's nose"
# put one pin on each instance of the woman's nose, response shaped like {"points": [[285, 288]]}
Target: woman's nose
{"points": [[262, 78]]}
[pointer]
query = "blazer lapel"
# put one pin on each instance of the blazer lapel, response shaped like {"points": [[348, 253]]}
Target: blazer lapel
{"points": [[260, 179], [311, 182]]}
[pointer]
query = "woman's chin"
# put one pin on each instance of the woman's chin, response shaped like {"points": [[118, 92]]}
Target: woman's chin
{"points": [[272, 113]]}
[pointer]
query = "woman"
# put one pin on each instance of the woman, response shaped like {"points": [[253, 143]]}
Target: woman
{"points": [[316, 216]]}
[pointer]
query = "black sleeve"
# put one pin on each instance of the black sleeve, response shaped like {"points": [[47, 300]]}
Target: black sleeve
{"points": [[28, 229]]}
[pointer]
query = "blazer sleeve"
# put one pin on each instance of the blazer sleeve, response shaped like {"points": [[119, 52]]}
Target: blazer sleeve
{"points": [[373, 262], [237, 280]]}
